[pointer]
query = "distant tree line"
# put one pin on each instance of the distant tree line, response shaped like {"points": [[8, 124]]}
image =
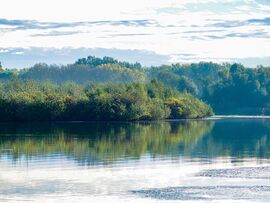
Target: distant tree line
{"points": [[227, 88], [95, 61], [82, 71]]}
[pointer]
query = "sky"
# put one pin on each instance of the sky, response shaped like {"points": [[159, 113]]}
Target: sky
{"points": [[152, 32]]}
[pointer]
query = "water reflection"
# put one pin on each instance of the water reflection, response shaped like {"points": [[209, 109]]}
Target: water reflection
{"points": [[223, 160], [100, 142], [91, 143], [239, 138]]}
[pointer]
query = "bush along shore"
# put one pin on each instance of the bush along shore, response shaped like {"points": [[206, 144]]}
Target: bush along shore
{"points": [[29, 100]]}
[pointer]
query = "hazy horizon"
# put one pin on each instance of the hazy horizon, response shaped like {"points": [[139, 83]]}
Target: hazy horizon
{"points": [[53, 56]]}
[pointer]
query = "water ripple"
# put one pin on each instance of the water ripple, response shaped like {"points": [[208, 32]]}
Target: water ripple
{"points": [[241, 172], [261, 193]]}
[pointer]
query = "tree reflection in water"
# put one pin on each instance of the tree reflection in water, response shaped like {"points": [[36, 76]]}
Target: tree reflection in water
{"points": [[100, 142], [92, 143]]}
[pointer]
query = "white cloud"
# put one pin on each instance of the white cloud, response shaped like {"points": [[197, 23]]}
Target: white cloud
{"points": [[183, 31]]}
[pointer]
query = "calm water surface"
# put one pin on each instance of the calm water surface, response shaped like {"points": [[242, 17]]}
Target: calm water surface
{"points": [[226, 160]]}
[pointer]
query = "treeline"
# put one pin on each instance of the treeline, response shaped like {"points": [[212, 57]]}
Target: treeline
{"points": [[25, 100], [228, 88], [95, 61], [82, 71]]}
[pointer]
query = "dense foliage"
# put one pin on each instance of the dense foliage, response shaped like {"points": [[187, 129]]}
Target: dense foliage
{"points": [[82, 73], [228, 88], [46, 101]]}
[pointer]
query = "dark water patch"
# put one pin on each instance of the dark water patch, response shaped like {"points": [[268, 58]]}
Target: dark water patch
{"points": [[261, 193], [242, 172]]}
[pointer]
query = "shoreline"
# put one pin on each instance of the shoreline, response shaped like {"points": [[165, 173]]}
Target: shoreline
{"points": [[215, 117]]}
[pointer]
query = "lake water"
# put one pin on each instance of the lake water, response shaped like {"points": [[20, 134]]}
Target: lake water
{"points": [[226, 160]]}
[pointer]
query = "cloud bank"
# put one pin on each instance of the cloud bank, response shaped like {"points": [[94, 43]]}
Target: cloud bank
{"points": [[178, 30]]}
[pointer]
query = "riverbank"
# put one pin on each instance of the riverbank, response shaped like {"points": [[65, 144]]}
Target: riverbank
{"points": [[239, 117]]}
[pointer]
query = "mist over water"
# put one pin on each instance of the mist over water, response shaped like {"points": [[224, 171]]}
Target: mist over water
{"points": [[223, 161]]}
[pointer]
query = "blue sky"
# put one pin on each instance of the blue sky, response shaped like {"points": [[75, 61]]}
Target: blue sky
{"points": [[152, 32]]}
